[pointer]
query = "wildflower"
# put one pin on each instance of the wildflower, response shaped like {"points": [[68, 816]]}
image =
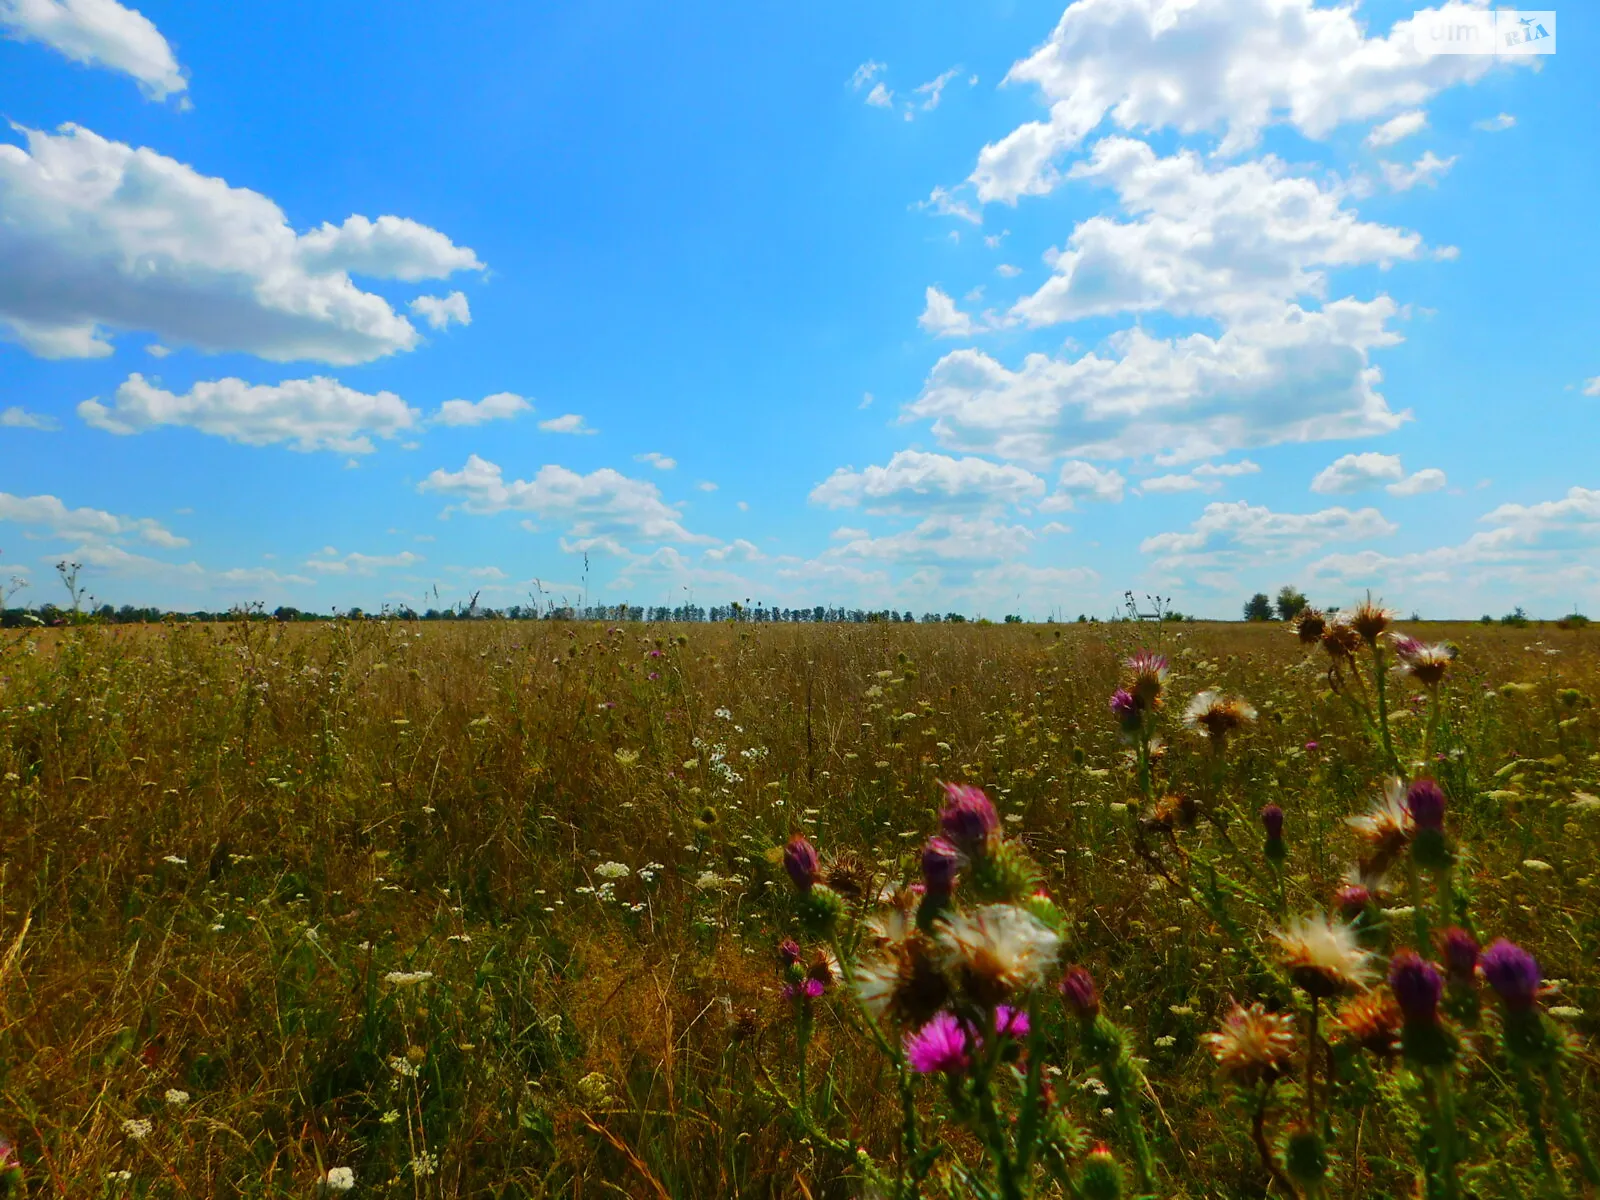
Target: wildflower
{"points": [[1125, 708], [1082, 997], [1386, 828], [613, 870], [407, 978], [392, 1117], [1253, 1044], [1370, 620], [1426, 803], [801, 862], [123, 1176], [706, 819], [1218, 716], [1459, 949], [847, 873], [1272, 822], [1417, 986], [424, 1164], [137, 1128], [968, 818], [940, 1047], [1513, 973], [402, 1066], [177, 1097], [594, 1088], [1309, 626], [788, 953], [1340, 640], [902, 982], [996, 950], [339, 1179], [1011, 1022], [1101, 1178], [940, 861], [1426, 664], [823, 970], [1352, 900], [1371, 1020], [1323, 956], [1172, 812], [1147, 674]]}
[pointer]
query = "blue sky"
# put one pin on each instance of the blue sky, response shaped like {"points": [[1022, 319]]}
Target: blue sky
{"points": [[1003, 307]]}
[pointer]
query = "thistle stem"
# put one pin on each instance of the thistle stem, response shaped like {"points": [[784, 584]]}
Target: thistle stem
{"points": [[1571, 1124], [1380, 686], [1444, 1129]]}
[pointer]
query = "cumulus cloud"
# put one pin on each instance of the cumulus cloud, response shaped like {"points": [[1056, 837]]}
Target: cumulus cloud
{"points": [[1232, 532], [1591, 387], [865, 74], [657, 460], [1296, 376], [1231, 67], [915, 481], [737, 550], [1223, 242], [502, 406], [100, 33], [308, 414], [98, 236], [604, 503], [1429, 479], [17, 417], [440, 311], [566, 423], [1426, 171], [1398, 128], [1496, 124], [330, 562], [49, 514], [1360, 472], [946, 538], [1207, 477], [1081, 480], [880, 96], [942, 318]]}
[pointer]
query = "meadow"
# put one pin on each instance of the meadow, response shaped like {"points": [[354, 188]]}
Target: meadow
{"points": [[540, 908]]}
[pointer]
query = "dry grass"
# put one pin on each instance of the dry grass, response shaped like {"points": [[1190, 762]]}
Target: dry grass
{"points": [[219, 840]]}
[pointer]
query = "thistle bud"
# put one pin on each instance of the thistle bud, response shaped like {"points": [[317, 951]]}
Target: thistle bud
{"points": [[1459, 949], [1306, 1157], [1417, 986], [1125, 708], [801, 862], [1352, 900], [968, 818], [1513, 973], [1272, 822], [1101, 1177], [1426, 802], [1080, 993], [940, 862]]}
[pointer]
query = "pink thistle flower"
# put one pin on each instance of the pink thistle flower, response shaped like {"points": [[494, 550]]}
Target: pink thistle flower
{"points": [[968, 818], [941, 1047], [801, 862]]}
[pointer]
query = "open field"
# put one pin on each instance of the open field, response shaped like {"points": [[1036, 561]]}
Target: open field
{"points": [[492, 909]]}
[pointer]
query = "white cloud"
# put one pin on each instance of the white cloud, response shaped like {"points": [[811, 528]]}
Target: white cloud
{"points": [[439, 311], [99, 33], [1398, 128], [932, 90], [1427, 171], [941, 539], [98, 236], [1591, 387], [502, 406], [1207, 477], [566, 423], [1007, 271], [865, 74], [1236, 527], [942, 318], [604, 503], [738, 550], [55, 518], [657, 460], [1229, 241], [1083, 480], [1297, 376], [1497, 124], [17, 417], [309, 414], [880, 96], [1226, 66], [331, 562], [705, 485], [946, 203], [915, 481], [1357, 472], [1429, 479]]}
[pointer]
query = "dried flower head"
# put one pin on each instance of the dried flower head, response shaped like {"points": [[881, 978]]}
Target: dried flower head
{"points": [[1253, 1044], [1309, 626], [1386, 828], [1218, 716], [1340, 639], [848, 873], [1323, 956], [1371, 1020], [1370, 619], [902, 982], [1425, 663], [1146, 675], [1173, 812], [996, 951]]}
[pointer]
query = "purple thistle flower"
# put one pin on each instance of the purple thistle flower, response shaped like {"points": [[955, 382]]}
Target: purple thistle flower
{"points": [[1513, 973], [940, 861], [800, 860], [788, 952], [968, 818], [1416, 985], [1272, 822], [940, 1047], [1125, 708], [1311, 747], [1352, 900], [813, 987], [1011, 1022], [1426, 803], [1459, 949], [1082, 997]]}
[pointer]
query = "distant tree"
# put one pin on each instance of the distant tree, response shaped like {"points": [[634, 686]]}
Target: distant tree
{"points": [[1516, 618], [1290, 601], [1258, 607]]}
